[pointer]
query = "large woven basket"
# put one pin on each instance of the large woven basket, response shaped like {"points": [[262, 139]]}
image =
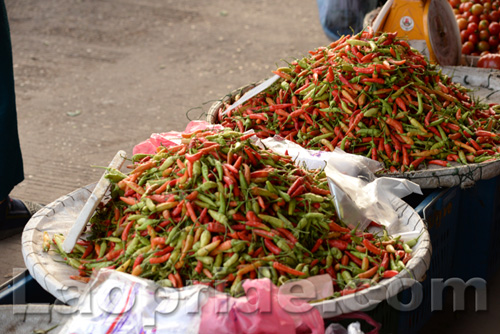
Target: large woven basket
{"points": [[432, 176], [52, 273]]}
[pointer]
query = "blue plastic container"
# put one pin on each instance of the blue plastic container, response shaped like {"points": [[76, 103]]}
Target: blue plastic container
{"points": [[24, 289], [478, 235], [440, 210]]}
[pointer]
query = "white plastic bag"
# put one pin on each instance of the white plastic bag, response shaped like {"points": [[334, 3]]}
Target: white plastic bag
{"points": [[116, 302], [359, 196]]}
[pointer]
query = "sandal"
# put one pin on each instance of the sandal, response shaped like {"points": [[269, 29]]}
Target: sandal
{"points": [[14, 214]]}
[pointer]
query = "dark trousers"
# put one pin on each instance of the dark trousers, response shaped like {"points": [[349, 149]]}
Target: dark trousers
{"points": [[11, 163]]}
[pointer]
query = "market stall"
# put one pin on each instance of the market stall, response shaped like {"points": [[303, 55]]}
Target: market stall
{"points": [[259, 197]]}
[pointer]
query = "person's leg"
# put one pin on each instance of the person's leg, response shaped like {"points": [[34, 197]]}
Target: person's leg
{"points": [[14, 213], [11, 163]]}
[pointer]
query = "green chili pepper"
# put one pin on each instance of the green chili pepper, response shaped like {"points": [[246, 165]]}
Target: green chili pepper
{"points": [[231, 261]]}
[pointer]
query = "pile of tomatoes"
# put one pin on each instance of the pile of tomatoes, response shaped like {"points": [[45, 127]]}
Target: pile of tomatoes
{"points": [[478, 22]]}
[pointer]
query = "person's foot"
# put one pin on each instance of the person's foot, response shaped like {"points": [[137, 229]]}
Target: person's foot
{"points": [[14, 214]]}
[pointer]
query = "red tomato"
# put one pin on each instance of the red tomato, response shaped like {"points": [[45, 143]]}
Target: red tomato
{"points": [[454, 3], [473, 18], [467, 6], [472, 27], [494, 28], [476, 9], [491, 60], [474, 38], [484, 35], [483, 17], [493, 42], [467, 48], [462, 23], [483, 46], [464, 35], [482, 25], [494, 16]]}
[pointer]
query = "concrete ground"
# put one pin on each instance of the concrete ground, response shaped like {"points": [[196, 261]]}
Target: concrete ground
{"points": [[95, 77]]}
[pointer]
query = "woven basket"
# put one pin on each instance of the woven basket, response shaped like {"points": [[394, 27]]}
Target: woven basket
{"points": [[235, 95], [58, 217], [432, 176]]}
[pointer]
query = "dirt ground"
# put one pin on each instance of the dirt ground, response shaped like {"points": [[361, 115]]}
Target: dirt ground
{"points": [[94, 77]]}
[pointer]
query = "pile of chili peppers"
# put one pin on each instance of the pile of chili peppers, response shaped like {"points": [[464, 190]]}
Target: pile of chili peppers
{"points": [[373, 95], [217, 209]]}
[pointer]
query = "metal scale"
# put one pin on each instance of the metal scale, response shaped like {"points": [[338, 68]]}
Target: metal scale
{"points": [[429, 25]]}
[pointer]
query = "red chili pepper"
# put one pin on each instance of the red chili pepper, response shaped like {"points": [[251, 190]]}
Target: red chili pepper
{"points": [[369, 273], [344, 80], [389, 273], [417, 162], [199, 267], [264, 234], [406, 158], [113, 254], [88, 250], [257, 252], [191, 213], [164, 251], [286, 269], [331, 271], [261, 202], [451, 126], [348, 291], [401, 104], [287, 234], [385, 260], [300, 190], [138, 260], [340, 244], [364, 70], [372, 248], [395, 124], [484, 133], [438, 162], [271, 246], [251, 157], [316, 245], [178, 209], [337, 228], [475, 144], [215, 227], [127, 230], [319, 191], [354, 259], [160, 241]]}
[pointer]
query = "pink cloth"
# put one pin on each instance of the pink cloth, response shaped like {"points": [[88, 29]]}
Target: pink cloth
{"points": [[169, 138], [262, 310]]}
